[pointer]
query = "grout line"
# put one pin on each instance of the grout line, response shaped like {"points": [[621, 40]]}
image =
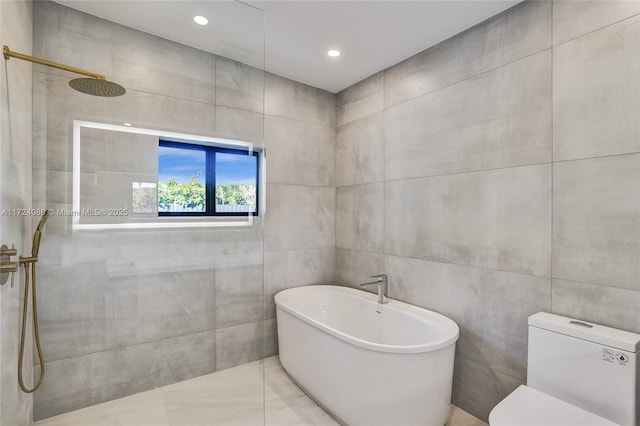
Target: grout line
{"points": [[301, 185], [469, 77], [596, 157], [300, 249], [297, 121], [484, 268], [501, 65], [590, 32], [469, 172], [62, 77], [383, 113], [117, 348], [491, 368], [262, 221], [613, 287], [508, 167], [553, 145], [335, 192]]}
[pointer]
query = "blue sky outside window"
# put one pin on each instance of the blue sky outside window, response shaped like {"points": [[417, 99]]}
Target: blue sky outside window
{"points": [[206, 180]]}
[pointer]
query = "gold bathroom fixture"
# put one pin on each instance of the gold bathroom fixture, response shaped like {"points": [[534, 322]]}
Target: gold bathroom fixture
{"points": [[97, 85], [6, 265], [30, 263]]}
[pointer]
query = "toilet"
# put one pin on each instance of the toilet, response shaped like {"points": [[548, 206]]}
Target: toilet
{"points": [[578, 374]]}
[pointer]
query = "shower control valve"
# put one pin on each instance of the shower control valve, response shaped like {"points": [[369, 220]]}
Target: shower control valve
{"points": [[6, 265]]}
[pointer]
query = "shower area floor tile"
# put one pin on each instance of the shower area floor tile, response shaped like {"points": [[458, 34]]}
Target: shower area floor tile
{"points": [[230, 397]]}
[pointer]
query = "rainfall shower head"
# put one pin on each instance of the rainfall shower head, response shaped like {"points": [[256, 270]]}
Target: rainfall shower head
{"points": [[97, 85]]}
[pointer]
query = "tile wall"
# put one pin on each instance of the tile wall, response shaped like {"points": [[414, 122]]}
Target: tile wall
{"points": [[492, 176], [497, 174], [15, 179], [126, 311]]}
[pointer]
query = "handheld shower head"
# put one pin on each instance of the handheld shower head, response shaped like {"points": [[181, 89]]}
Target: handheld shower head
{"points": [[35, 248], [43, 220]]}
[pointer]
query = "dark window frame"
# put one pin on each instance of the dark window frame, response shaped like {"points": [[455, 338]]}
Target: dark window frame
{"points": [[210, 178]]}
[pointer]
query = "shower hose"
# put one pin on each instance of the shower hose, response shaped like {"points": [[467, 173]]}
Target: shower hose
{"points": [[24, 327]]}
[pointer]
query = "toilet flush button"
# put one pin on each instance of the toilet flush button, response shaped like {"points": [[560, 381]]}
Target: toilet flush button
{"points": [[622, 358]]}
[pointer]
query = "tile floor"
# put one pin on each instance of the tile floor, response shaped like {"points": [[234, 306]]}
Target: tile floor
{"points": [[228, 397]]}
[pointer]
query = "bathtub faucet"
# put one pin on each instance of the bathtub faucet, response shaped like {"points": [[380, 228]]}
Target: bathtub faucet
{"points": [[383, 288]]}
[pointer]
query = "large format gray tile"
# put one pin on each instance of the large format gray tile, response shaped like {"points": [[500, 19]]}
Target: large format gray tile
{"points": [[15, 406], [360, 151], [518, 32], [39, 120], [239, 86], [294, 268], [55, 107], [238, 246], [289, 99], [239, 345], [142, 109], [299, 217], [499, 119], [498, 219], [141, 252], [610, 306], [72, 313], [596, 93], [490, 307], [361, 99], [596, 221], [17, 85], [239, 295], [574, 18], [52, 186], [148, 307], [299, 153], [83, 310], [153, 64], [68, 36], [355, 267], [239, 125], [477, 389], [154, 111], [360, 217], [270, 337], [78, 382]]}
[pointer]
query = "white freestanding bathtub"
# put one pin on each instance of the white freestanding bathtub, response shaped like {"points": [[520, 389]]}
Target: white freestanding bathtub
{"points": [[367, 363]]}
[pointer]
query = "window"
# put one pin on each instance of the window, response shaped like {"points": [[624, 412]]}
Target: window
{"points": [[203, 180]]}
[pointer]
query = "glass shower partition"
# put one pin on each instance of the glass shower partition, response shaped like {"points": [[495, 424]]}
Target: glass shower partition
{"points": [[151, 266]]}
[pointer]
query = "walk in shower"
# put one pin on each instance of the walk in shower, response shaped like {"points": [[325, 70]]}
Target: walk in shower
{"points": [[137, 292]]}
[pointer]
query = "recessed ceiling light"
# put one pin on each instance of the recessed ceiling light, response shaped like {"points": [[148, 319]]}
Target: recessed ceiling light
{"points": [[201, 20], [333, 53], [127, 124]]}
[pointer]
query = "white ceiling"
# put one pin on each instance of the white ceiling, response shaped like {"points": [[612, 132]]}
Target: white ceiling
{"points": [[291, 38]]}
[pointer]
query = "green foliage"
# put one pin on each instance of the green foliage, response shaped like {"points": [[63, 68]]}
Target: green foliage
{"points": [[144, 198], [189, 195], [193, 194], [236, 194]]}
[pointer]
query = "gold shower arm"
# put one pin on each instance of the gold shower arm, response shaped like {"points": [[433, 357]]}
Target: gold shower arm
{"points": [[8, 54]]}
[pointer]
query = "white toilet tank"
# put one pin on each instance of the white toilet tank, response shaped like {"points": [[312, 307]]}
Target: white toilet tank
{"points": [[588, 365]]}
